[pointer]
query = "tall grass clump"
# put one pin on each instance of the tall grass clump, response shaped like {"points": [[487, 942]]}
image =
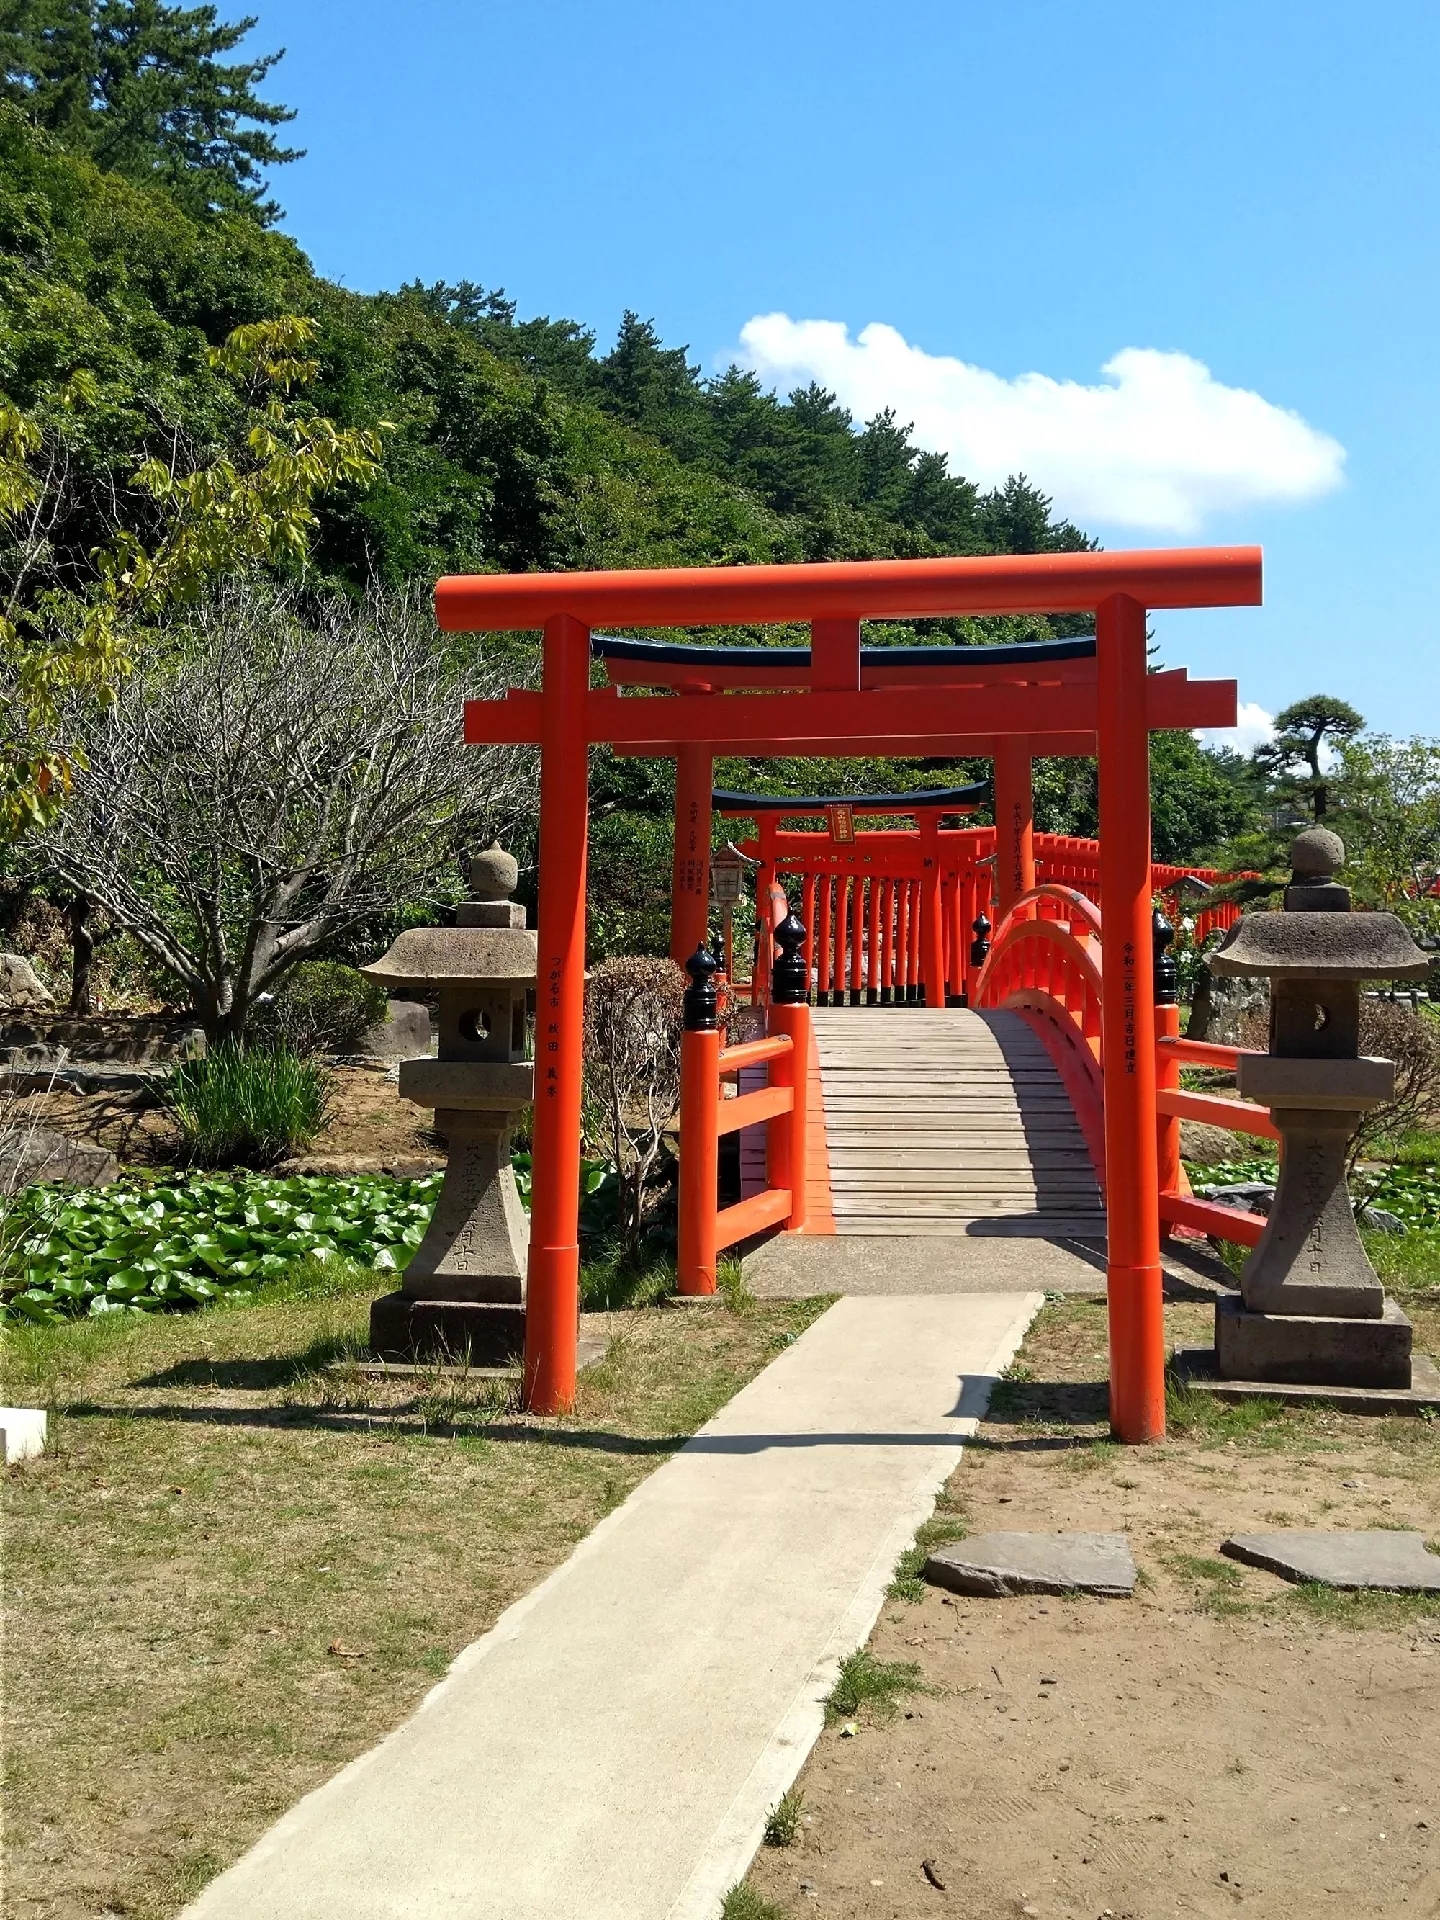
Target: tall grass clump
{"points": [[247, 1106]]}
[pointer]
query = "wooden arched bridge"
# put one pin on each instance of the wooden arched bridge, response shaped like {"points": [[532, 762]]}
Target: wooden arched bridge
{"points": [[985, 1045]]}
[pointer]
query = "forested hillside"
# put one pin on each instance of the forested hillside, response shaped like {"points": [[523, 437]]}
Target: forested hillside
{"points": [[160, 338]]}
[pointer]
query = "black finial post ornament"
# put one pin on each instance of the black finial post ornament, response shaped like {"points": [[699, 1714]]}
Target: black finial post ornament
{"points": [[789, 976], [700, 1008], [1167, 974], [980, 945]]}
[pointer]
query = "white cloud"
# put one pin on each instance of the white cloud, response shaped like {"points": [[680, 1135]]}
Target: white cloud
{"points": [[1160, 445], [1253, 727]]}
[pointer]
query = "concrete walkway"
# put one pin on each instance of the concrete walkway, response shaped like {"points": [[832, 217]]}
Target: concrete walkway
{"points": [[789, 1268], [610, 1749]]}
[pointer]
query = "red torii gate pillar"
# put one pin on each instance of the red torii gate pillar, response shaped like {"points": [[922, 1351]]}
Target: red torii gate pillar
{"points": [[1127, 1012], [552, 1308]]}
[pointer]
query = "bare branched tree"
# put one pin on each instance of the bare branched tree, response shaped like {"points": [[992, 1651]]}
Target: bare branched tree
{"points": [[274, 774], [632, 1073]]}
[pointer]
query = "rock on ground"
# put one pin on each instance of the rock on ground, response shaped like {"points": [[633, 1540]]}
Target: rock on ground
{"points": [[20, 985], [1378, 1559], [31, 1154], [1003, 1564]]}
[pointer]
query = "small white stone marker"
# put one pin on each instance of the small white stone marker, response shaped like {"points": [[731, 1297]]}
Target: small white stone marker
{"points": [[24, 1431]]}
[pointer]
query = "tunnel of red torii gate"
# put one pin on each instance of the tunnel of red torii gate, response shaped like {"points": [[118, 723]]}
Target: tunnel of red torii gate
{"points": [[837, 698], [902, 914]]}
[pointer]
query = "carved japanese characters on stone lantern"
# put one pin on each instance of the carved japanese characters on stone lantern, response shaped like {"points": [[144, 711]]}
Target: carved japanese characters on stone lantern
{"points": [[1312, 1310], [463, 1292]]}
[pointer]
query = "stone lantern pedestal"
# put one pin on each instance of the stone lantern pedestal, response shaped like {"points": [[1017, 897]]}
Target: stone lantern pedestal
{"points": [[1312, 1310], [462, 1297]]}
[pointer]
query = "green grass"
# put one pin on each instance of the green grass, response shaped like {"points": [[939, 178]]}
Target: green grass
{"points": [[1202, 1416], [865, 1682], [744, 1903], [1219, 1583], [1408, 1263], [221, 1505], [908, 1583], [246, 1106], [782, 1826], [1329, 1606]]}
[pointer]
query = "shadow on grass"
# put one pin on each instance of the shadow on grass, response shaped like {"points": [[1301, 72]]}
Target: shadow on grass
{"points": [[1049, 1403]]}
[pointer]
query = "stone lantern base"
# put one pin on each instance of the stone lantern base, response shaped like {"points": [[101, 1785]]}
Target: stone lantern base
{"points": [[462, 1298], [475, 1333], [1312, 1349]]}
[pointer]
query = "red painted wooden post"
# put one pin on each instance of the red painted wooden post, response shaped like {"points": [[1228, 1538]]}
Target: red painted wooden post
{"points": [[916, 950], [872, 940], [807, 914], [857, 941], [1137, 1332], [786, 1142], [822, 996], [552, 1308], [699, 1160], [931, 917], [887, 943], [842, 904], [764, 881]]}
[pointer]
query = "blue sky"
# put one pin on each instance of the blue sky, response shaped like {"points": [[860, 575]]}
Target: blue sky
{"points": [[1027, 189]]}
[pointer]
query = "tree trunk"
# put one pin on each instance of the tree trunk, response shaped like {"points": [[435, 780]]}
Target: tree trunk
{"points": [[82, 948]]}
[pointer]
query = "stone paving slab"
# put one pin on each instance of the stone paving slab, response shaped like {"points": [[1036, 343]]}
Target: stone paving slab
{"points": [[1001, 1565], [610, 1749], [1377, 1559]]}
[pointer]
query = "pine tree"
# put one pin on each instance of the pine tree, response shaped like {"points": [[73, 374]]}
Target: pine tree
{"points": [[140, 88]]}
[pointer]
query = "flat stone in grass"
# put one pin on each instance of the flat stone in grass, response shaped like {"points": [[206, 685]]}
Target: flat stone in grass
{"points": [[1376, 1559], [999, 1565]]}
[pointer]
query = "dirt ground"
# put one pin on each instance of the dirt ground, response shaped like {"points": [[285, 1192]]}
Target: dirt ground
{"points": [[373, 1129], [1222, 1742]]}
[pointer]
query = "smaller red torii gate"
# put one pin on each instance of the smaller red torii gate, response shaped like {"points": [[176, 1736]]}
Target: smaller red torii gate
{"points": [[875, 927], [840, 698]]}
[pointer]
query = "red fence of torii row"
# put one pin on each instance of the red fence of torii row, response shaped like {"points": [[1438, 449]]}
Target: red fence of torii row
{"points": [[866, 903]]}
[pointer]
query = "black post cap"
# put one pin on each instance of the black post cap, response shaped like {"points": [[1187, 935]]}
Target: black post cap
{"points": [[789, 976], [701, 1005], [1167, 974], [980, 945]]}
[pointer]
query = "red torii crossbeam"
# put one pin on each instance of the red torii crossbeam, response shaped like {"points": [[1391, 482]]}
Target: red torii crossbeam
{"points": [[1106, 707]]}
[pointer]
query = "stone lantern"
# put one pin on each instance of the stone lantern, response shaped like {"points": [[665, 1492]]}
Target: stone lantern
{"points": [[463, 1293], [1311, 1308]]}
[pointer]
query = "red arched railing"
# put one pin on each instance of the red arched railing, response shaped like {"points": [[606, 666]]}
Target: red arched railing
{"points": [[1046, 963]]}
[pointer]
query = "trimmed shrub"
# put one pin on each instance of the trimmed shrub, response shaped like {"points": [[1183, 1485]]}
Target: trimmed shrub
{"points": [[321, 1006], [247, 1106]]}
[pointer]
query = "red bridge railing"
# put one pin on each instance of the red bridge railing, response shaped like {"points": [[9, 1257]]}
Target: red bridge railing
{"points": [[1046, 962]]}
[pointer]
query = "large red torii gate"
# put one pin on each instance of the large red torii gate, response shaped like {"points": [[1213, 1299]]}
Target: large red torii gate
{"points": [[837, 702]]}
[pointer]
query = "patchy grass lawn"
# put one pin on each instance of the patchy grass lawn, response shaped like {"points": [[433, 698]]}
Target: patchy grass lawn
{"points": [[1221, 1742], [244, 1560]]}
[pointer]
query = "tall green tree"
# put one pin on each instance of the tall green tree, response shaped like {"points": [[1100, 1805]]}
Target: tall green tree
{"points": [[1305, 733], [142, 88]]}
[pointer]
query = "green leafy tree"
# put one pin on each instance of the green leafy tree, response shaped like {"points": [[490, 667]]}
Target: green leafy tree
{"points": [[1304, 731], [61, 632], [1386, 807], [142, 89]]}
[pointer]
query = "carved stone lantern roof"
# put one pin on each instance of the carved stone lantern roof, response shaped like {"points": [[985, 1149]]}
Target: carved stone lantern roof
{"points": [[1316, 936], [1338, 946], [426, 957]]}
